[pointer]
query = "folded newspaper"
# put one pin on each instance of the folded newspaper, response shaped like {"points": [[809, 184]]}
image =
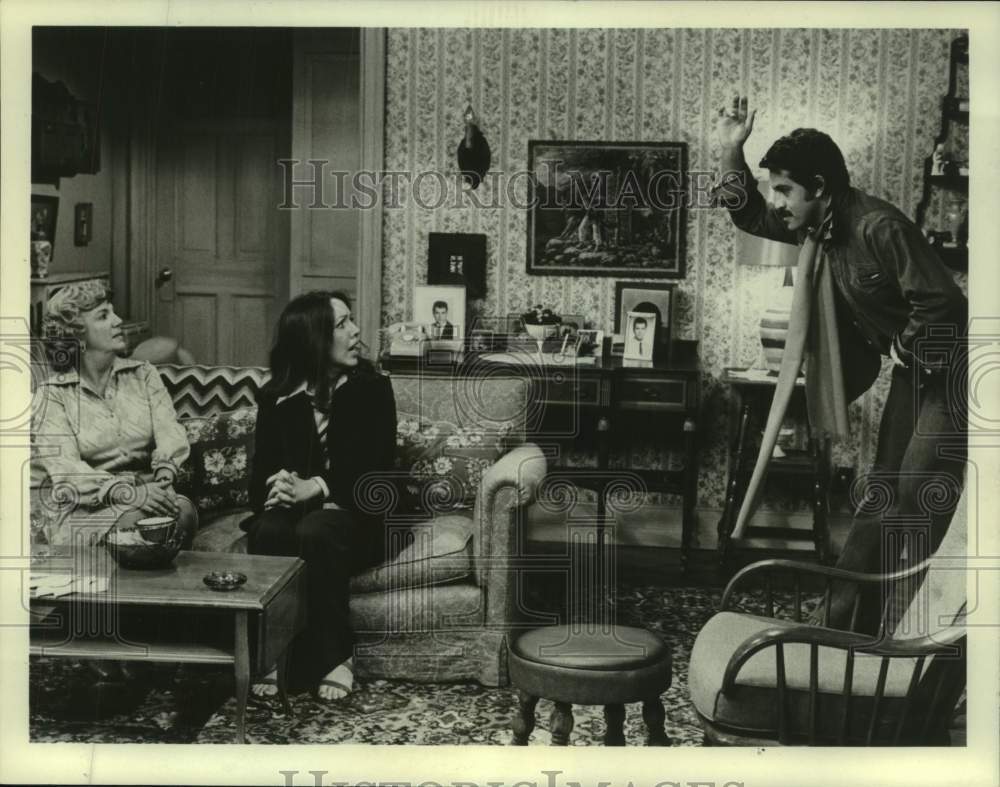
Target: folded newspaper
{"points": [[43, 585]]}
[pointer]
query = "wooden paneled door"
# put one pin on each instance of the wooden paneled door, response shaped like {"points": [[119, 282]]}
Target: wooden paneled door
{"points": [[221, 272]]}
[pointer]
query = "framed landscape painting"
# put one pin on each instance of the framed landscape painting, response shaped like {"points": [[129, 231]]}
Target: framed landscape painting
{"points": [[607, 209]]}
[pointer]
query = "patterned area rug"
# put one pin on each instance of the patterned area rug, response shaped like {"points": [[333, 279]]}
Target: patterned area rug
{"points": [[195, 704]]}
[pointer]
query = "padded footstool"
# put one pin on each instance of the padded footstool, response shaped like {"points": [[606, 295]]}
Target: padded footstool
{"points": [[573, 667]]}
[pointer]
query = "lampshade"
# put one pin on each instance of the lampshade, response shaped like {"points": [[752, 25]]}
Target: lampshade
{"points": [[759, 251]]}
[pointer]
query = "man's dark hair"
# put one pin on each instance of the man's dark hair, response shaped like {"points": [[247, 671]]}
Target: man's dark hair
{"points": [[806, 153], [638, 321], [440, 305]]}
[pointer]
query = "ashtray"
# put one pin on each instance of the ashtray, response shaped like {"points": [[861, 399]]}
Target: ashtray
{"points": [[224, 580]]}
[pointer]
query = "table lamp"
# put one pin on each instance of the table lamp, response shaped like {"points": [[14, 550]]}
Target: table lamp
{"points": [[774, 320]]}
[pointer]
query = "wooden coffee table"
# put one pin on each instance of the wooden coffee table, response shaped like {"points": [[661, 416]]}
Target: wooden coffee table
{"points": [[260, 618]]}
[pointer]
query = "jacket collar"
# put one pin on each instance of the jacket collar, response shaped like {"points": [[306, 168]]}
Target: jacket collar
{"points": [[302, 388], [839, 216], [72, 376]]}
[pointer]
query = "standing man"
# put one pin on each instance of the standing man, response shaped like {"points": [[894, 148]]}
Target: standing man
{"points": [[441, 328], [891, 292]]}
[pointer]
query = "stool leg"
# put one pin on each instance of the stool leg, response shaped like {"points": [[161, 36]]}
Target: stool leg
{"points": [[654, 716], [524, 718], [561, 723], [614, 720]]}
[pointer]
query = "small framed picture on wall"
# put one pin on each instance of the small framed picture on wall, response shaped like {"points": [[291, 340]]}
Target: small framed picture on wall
{"points": [[458, 258], [648, 297], [441, 311]]}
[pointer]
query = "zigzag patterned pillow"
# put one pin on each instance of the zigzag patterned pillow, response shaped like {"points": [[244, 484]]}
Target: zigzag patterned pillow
{"points": [[217, 406], [206, 390]]}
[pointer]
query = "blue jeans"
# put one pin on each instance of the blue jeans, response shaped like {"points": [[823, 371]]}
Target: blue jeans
{"points": [[916, 480]]}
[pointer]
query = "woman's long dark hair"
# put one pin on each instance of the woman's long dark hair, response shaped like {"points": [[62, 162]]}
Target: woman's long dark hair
{"points": [[302, 347]]}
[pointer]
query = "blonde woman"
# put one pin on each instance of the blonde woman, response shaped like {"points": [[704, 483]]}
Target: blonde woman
{"points": [[105, 432]]}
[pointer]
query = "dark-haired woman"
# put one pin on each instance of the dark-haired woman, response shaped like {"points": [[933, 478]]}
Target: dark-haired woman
{"points": [[326, 426]]}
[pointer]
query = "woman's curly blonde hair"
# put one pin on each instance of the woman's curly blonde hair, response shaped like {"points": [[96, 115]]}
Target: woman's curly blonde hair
{"points": [[64, 311], [63, 324]]}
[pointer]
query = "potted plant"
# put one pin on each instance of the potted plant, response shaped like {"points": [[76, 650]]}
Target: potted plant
{"points": [[541, 323]]}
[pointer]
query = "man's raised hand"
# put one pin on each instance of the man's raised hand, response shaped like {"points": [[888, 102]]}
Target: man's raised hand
{"points": [[734, 124]]}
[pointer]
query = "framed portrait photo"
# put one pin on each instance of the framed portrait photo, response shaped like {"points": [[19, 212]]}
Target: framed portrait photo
{"points": [[441, 311], [640, 332], [654, 297], [607, 209]]}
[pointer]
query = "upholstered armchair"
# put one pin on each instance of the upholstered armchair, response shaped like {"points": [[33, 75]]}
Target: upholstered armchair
{"points": [[760, 680], [440, 610]]}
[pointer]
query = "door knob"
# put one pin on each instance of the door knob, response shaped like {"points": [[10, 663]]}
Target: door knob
{"points": [[165, 275]]}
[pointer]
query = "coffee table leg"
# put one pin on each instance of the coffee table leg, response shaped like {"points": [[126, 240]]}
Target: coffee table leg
{"points": [[614, 725], [241, 650], [654, 716], [524, 718], [561, 723], [282, 667]]}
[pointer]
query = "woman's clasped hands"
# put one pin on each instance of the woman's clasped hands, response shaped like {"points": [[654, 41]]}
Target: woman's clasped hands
{"points": [[286, 489]]}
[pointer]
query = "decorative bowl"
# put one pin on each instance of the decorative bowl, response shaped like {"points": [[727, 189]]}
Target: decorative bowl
{"points": [[541, 332], [130, 550], [224, 580]]}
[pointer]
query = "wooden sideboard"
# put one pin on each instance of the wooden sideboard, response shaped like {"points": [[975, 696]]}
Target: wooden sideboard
{"points": [[611, 400]]}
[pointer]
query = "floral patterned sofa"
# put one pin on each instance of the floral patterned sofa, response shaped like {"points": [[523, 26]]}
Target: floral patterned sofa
{"points": [[442, 609]]}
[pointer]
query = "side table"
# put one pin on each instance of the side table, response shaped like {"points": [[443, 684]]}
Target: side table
{"points": [[753, 396]]}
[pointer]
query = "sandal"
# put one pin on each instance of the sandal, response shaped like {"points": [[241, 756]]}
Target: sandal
{"points": [[268, 680], [336, 684]]}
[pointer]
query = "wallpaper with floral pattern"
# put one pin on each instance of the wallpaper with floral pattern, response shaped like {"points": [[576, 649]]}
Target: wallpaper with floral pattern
{"points": [[876, 92]]}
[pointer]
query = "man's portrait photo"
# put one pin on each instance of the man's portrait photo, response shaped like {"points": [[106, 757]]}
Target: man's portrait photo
{"points": [[440, 310], [640, 334], [440, 328]]}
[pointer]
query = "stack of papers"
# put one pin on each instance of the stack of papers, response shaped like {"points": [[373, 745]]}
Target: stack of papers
{"points": [[56, 585]]}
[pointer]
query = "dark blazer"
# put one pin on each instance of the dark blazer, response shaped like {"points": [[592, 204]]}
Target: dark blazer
{"points": [[361, 439], [447, 331]]}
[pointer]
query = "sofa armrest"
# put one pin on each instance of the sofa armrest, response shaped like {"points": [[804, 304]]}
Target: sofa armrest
{"points": [[505, 491]]}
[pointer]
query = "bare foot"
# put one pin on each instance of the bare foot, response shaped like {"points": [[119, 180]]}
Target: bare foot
{"points": [[268, 687], [338, 683]]}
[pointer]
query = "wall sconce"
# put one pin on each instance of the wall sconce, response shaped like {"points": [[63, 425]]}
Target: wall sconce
{"points": [[83, 223], [774, 320], [473, 152]]}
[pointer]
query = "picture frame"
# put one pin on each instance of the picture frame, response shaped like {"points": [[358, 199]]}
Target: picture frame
{"points": [[656, 297], [590, 342], [481, 340], [640, 333], [458, 258], [441, 311], [42, 232], [607, 209]]}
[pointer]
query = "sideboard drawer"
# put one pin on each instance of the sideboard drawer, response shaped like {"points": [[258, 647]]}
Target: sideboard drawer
{"points": [[652, 393], [569, 388]]}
